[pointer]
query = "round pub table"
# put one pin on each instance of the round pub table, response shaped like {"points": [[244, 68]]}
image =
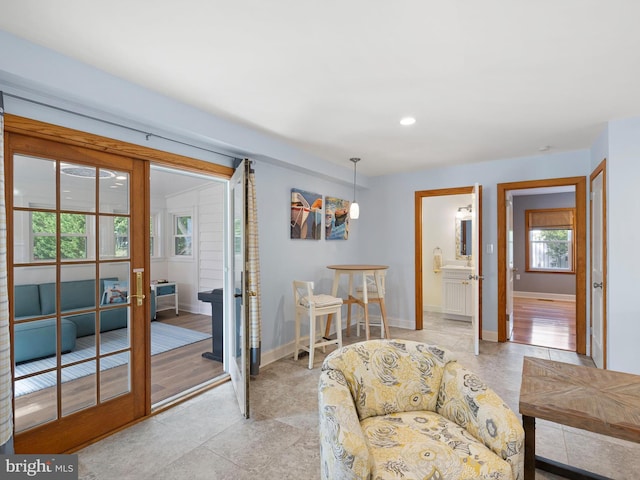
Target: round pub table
{"points": [[360, 272]]}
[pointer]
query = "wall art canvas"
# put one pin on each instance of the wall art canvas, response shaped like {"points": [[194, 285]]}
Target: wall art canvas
{"points": [[306, 215], [336, 218]]}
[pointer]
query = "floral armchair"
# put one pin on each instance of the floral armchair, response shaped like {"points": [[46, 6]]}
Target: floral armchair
{"points": [[393, 409]]}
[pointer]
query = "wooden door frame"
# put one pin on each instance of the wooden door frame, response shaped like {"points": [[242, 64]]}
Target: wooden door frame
{"points": [[74, 138], [580, 185], [418, 197], [601, 168]]}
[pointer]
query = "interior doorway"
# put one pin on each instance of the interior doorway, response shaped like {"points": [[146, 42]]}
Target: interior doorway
{"points": [[507, 271], [186, 258], [445, 219]]}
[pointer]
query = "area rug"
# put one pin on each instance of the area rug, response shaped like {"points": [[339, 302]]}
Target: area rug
{"points": [[164, 337]]}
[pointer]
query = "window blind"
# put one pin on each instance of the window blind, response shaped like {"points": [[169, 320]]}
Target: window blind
{"points": [[557, 218]]}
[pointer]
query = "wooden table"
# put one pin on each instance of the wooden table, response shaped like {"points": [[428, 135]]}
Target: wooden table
{"points": [[363, 271], [600, 401]]}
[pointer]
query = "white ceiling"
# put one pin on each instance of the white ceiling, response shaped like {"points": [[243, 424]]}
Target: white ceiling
{"points": [[485, 79]]}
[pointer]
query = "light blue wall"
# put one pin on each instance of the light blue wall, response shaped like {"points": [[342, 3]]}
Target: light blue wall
{"points": [[387, 219], [385, 231], [623, 174], [282, 259], [600, 148]]}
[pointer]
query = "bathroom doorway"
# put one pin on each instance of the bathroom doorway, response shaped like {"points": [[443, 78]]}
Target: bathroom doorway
{"points": [[441, 250]]}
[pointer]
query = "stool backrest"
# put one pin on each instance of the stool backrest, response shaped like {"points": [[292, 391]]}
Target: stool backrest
{"points": [[302, 290]]}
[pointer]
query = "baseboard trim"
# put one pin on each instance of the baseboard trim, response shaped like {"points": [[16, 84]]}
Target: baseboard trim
{"points": [[489, 335], [546, 296], [287, 349]]}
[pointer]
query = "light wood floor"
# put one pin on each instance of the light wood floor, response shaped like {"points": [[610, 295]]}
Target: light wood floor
{"points": [[172, 372], [544, 323], [178, 370]]}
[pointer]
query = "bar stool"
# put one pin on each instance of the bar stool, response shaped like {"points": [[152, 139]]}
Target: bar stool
{"points": [[312, 306], [373, 296]]}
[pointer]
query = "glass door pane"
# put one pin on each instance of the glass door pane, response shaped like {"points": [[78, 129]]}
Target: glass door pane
{"points": [[74, 341]]}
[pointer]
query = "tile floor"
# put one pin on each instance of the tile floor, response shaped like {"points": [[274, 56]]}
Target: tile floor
{"points": [[206, 437]]}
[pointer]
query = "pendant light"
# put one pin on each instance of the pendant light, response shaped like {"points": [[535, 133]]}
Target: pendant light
{"points": [[354, 210]]}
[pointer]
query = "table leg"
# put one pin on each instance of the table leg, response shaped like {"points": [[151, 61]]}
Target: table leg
{"points": [[529, 424], [383, 308], [334, 292]]}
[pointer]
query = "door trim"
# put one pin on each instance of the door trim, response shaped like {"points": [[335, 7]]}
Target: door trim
{"points": [[418, 197], [601, 168], [580, 184], [35, 128]]}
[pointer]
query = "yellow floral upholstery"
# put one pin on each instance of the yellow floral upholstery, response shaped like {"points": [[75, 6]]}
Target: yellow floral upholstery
{"points": [[397, 409]]}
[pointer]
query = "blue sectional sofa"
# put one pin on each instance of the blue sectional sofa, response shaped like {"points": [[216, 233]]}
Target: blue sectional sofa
{"points": [[37, 339]]}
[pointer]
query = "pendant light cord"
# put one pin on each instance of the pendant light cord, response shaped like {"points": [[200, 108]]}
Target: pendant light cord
{"points": [[355, 167]]}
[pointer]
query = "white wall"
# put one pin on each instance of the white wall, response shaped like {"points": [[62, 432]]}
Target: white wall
{"points": [[204, 269], [211, 201]]}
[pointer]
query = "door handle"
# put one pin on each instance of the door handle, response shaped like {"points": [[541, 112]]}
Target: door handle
{"points": [[139, 296], [597, 285], [476, 277]]}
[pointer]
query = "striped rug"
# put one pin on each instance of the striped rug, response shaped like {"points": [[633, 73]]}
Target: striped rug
{"points": [[164, 337]]}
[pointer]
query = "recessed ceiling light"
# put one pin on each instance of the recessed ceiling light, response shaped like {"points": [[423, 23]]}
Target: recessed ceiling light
{"points": [[545, 148], [407, 121]]}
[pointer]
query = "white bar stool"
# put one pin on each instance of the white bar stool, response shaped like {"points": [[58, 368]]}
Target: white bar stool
{"points": [[312, 306]]}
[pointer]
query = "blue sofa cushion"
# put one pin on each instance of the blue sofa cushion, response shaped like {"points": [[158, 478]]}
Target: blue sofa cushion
{"points": [[27, 301], [47, 298], [85, 323], [113, 319], [77, 294], [33, 340]]}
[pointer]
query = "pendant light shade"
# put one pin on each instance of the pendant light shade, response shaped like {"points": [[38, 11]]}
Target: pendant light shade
{"points": [[354, 209]]}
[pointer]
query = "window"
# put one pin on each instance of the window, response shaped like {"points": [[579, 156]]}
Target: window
{"points": [[550, 241], [154, 235], [121, 236], [73, 236], [182, 235]]}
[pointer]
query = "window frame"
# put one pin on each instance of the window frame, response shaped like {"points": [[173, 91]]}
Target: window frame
{"points": [[87, 235], [155, 236], [572, 242], [174, 234]]}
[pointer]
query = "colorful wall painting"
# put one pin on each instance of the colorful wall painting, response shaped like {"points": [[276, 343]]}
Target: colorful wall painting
{"points": [[336, 218], [306, 215]]}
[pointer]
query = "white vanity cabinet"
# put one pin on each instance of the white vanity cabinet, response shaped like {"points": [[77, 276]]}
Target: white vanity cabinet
{"points": [[456, 293]]}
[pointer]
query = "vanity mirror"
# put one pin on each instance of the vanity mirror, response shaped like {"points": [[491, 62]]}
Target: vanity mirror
{"points": [[463, 233]]}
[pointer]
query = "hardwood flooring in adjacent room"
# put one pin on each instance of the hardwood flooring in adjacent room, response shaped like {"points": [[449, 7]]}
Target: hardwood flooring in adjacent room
{"points": [[545, 323], [180, 369], [172, 373]]}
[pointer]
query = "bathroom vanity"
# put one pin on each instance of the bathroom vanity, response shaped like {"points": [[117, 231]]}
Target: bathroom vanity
{"points": [[457, 301]]}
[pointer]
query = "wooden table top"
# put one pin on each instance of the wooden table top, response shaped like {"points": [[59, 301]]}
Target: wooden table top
{"points": [[357, 268], [600, 401]]}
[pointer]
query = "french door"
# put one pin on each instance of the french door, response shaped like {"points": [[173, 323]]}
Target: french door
{"points": [[237, 298], [77, 281]]}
